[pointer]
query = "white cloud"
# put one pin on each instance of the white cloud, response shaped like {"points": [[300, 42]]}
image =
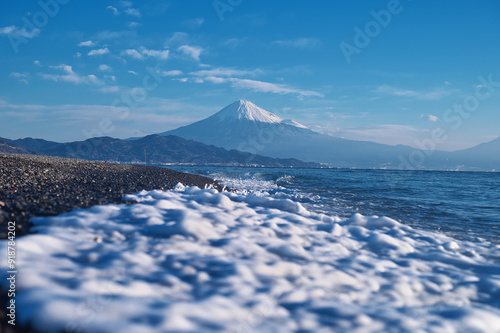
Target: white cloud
{"points": [[65, 68], [36, 62], [128, 11], [221, 75], [132, 53], [87, 43], [12, 30], [114, 10], [70, 76], [195, 23], [222, 71], [159, 54], [104, 68], [429, 117], [215, 79], [98, 52], [93, 79], [171, 73], [429, 95], [191, 51], [18, 75], [132, 72], [133, 24], [300, 43], [145, 53], [388, 90], [432, 118], [177, 38], [21, 77], [8, 30], [267, 87], [133, 12]]}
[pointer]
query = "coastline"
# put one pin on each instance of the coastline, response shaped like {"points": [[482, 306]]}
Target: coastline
{"points": [[36, 186], [195, 253], [33, 185]]}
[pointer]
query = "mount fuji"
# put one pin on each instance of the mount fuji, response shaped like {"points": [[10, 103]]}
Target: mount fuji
{"points": [[244, 126], [241, 125]]}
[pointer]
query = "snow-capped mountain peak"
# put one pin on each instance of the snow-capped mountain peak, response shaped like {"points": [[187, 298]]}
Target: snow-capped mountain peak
{"points": [[244, 126], [246, 110]]}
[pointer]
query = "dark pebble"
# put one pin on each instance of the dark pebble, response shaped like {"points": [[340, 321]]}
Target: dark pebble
{"points": [[45, 186]]}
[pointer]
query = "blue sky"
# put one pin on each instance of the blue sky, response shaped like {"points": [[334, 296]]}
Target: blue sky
{"points": [[393, 72]]}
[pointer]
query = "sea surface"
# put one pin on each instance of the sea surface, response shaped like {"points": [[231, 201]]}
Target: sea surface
{"points": [[464, 205]]}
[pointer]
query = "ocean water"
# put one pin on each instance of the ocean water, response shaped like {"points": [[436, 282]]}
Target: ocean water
{"points": [[288, 250], [464, 205]]}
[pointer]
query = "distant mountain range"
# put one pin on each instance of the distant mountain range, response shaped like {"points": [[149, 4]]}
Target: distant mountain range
{"points": [[244, 126], [10, 148], [484, 156], [244, 134], [154, 149]]}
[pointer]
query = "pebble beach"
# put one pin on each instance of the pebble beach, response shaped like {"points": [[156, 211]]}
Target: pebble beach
{"points": [[37, 186], [46, 186]]}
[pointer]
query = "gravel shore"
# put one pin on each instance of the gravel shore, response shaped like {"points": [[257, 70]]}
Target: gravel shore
{"points": [[44, 186]]}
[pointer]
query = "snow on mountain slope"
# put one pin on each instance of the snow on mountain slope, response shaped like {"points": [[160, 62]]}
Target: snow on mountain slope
{"points": [[244, 126], [239, 123], [292, 123], [247, 127], [246, 110]]}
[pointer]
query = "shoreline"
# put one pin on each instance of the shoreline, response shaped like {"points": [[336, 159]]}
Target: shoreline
{"points": [[186, 253], [35, 186]]}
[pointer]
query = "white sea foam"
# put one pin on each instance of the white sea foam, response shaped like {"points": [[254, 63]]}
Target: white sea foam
{"points": [[198, 260], [246, 183]]}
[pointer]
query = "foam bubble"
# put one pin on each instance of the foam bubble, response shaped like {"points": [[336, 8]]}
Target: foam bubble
{"points": [[199, 260]]}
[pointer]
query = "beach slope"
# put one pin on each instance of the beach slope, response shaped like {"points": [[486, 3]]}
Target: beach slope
{"points": [[45, 186]]}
